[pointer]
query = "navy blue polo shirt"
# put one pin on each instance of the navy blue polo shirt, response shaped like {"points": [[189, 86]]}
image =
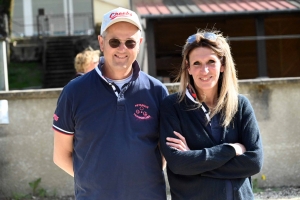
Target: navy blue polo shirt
{"points": [[115, 136]]}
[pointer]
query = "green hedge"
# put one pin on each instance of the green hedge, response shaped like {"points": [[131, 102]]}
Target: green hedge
{"points": [[24, 75]]}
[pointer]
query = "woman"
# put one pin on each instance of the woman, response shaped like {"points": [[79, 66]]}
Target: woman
{"points": [[209, 133], [86, 61]]}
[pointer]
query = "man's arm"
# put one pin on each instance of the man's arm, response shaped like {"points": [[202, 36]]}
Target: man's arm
{"points": [[62, 152]]}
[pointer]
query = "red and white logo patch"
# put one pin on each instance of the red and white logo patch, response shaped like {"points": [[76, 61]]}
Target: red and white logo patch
{"points": [[113, 15], [55, 117], [141, 112]]}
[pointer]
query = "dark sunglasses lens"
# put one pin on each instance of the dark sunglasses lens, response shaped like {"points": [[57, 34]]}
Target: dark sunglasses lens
{"points": [[130, 44], [114, 43]]}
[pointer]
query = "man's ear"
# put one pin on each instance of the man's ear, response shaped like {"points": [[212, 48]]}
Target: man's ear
{"points": [[101, 42], [141, 40]]}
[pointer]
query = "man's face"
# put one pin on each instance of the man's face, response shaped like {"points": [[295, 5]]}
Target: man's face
{"points": [[120, 59]]}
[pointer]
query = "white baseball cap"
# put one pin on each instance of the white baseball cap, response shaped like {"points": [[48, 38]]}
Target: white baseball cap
{"points": [[119, 15]]}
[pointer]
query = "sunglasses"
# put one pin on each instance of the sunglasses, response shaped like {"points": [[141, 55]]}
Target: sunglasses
{"points": [[115, 43], [206, 35]]}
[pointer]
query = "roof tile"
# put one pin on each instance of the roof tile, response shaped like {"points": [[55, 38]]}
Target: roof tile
{"points": [[286, 4]]}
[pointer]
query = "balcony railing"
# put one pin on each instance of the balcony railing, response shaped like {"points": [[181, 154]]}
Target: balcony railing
{"points": [[55, 25]]}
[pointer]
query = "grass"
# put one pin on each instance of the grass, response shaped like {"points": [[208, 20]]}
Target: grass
{"points": [[24, 75]]}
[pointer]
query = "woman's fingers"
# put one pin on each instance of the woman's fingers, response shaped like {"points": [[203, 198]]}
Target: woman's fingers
{"points": [[239, 148], [175, 142], [175, 146], [178, 134], [179, 144], [182, 139]]}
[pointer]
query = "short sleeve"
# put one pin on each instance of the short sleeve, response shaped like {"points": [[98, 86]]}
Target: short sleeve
{"points": [[63, 120]]}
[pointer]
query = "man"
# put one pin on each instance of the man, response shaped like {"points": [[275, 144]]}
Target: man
{"points": [[106, 122]]}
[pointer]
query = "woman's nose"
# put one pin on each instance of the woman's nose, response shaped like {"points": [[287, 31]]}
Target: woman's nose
{"points": [[204, 69]]}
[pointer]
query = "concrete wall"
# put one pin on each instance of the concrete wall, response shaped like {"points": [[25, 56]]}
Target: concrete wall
{"points": [[26, 143]]}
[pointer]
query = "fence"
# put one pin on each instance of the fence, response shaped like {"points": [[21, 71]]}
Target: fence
{"points": [[56, 25]]}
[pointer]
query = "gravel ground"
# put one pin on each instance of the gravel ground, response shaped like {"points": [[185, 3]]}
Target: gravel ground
{"points": [[284, 193], [279, 193]]}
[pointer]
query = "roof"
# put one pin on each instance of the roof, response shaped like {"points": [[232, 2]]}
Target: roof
{"points": [[184, 8]]}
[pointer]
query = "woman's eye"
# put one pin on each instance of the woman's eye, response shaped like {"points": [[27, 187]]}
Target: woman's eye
{"points": [[211, 62], [196, 63]]}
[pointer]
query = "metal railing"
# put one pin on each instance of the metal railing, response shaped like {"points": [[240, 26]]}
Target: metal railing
{"points": [[55, 25]]}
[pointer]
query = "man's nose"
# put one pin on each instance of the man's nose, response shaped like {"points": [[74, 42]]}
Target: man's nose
{"points": [[122, 46]]}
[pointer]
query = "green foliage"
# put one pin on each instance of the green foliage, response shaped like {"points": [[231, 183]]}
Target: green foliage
{"points": [[18, 196], [37, 191], [42, 192], [34, 185], [255, 187], [24, 75]]}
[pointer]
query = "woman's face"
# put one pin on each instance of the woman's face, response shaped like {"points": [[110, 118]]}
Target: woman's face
{"points": [[205, 68]]}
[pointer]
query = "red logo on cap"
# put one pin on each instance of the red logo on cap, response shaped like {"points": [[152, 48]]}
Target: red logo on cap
{"points": [[120, 14]]}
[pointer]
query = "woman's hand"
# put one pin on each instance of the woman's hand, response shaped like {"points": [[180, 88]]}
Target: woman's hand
{"points": [[178, 144], [239, 148]]}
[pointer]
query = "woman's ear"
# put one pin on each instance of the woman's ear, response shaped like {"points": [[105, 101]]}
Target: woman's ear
{"points": [[222, 64], [187, 67], [222, 68]]}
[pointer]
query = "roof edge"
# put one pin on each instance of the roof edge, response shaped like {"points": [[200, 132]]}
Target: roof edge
{"points": [[168, 16]]}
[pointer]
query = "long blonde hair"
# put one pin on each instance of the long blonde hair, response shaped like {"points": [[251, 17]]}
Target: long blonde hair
{"points": [[227, 102]]}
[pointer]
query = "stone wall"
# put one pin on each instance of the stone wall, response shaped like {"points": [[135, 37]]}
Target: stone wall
{"points": [[26, 143]]}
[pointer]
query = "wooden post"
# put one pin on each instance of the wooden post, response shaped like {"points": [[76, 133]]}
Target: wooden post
{"points": [[151, 48], [261, 48]]}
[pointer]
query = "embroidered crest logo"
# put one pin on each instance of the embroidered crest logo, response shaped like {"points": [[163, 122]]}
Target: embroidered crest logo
{"points": [[55, 117], [141, 111]]}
